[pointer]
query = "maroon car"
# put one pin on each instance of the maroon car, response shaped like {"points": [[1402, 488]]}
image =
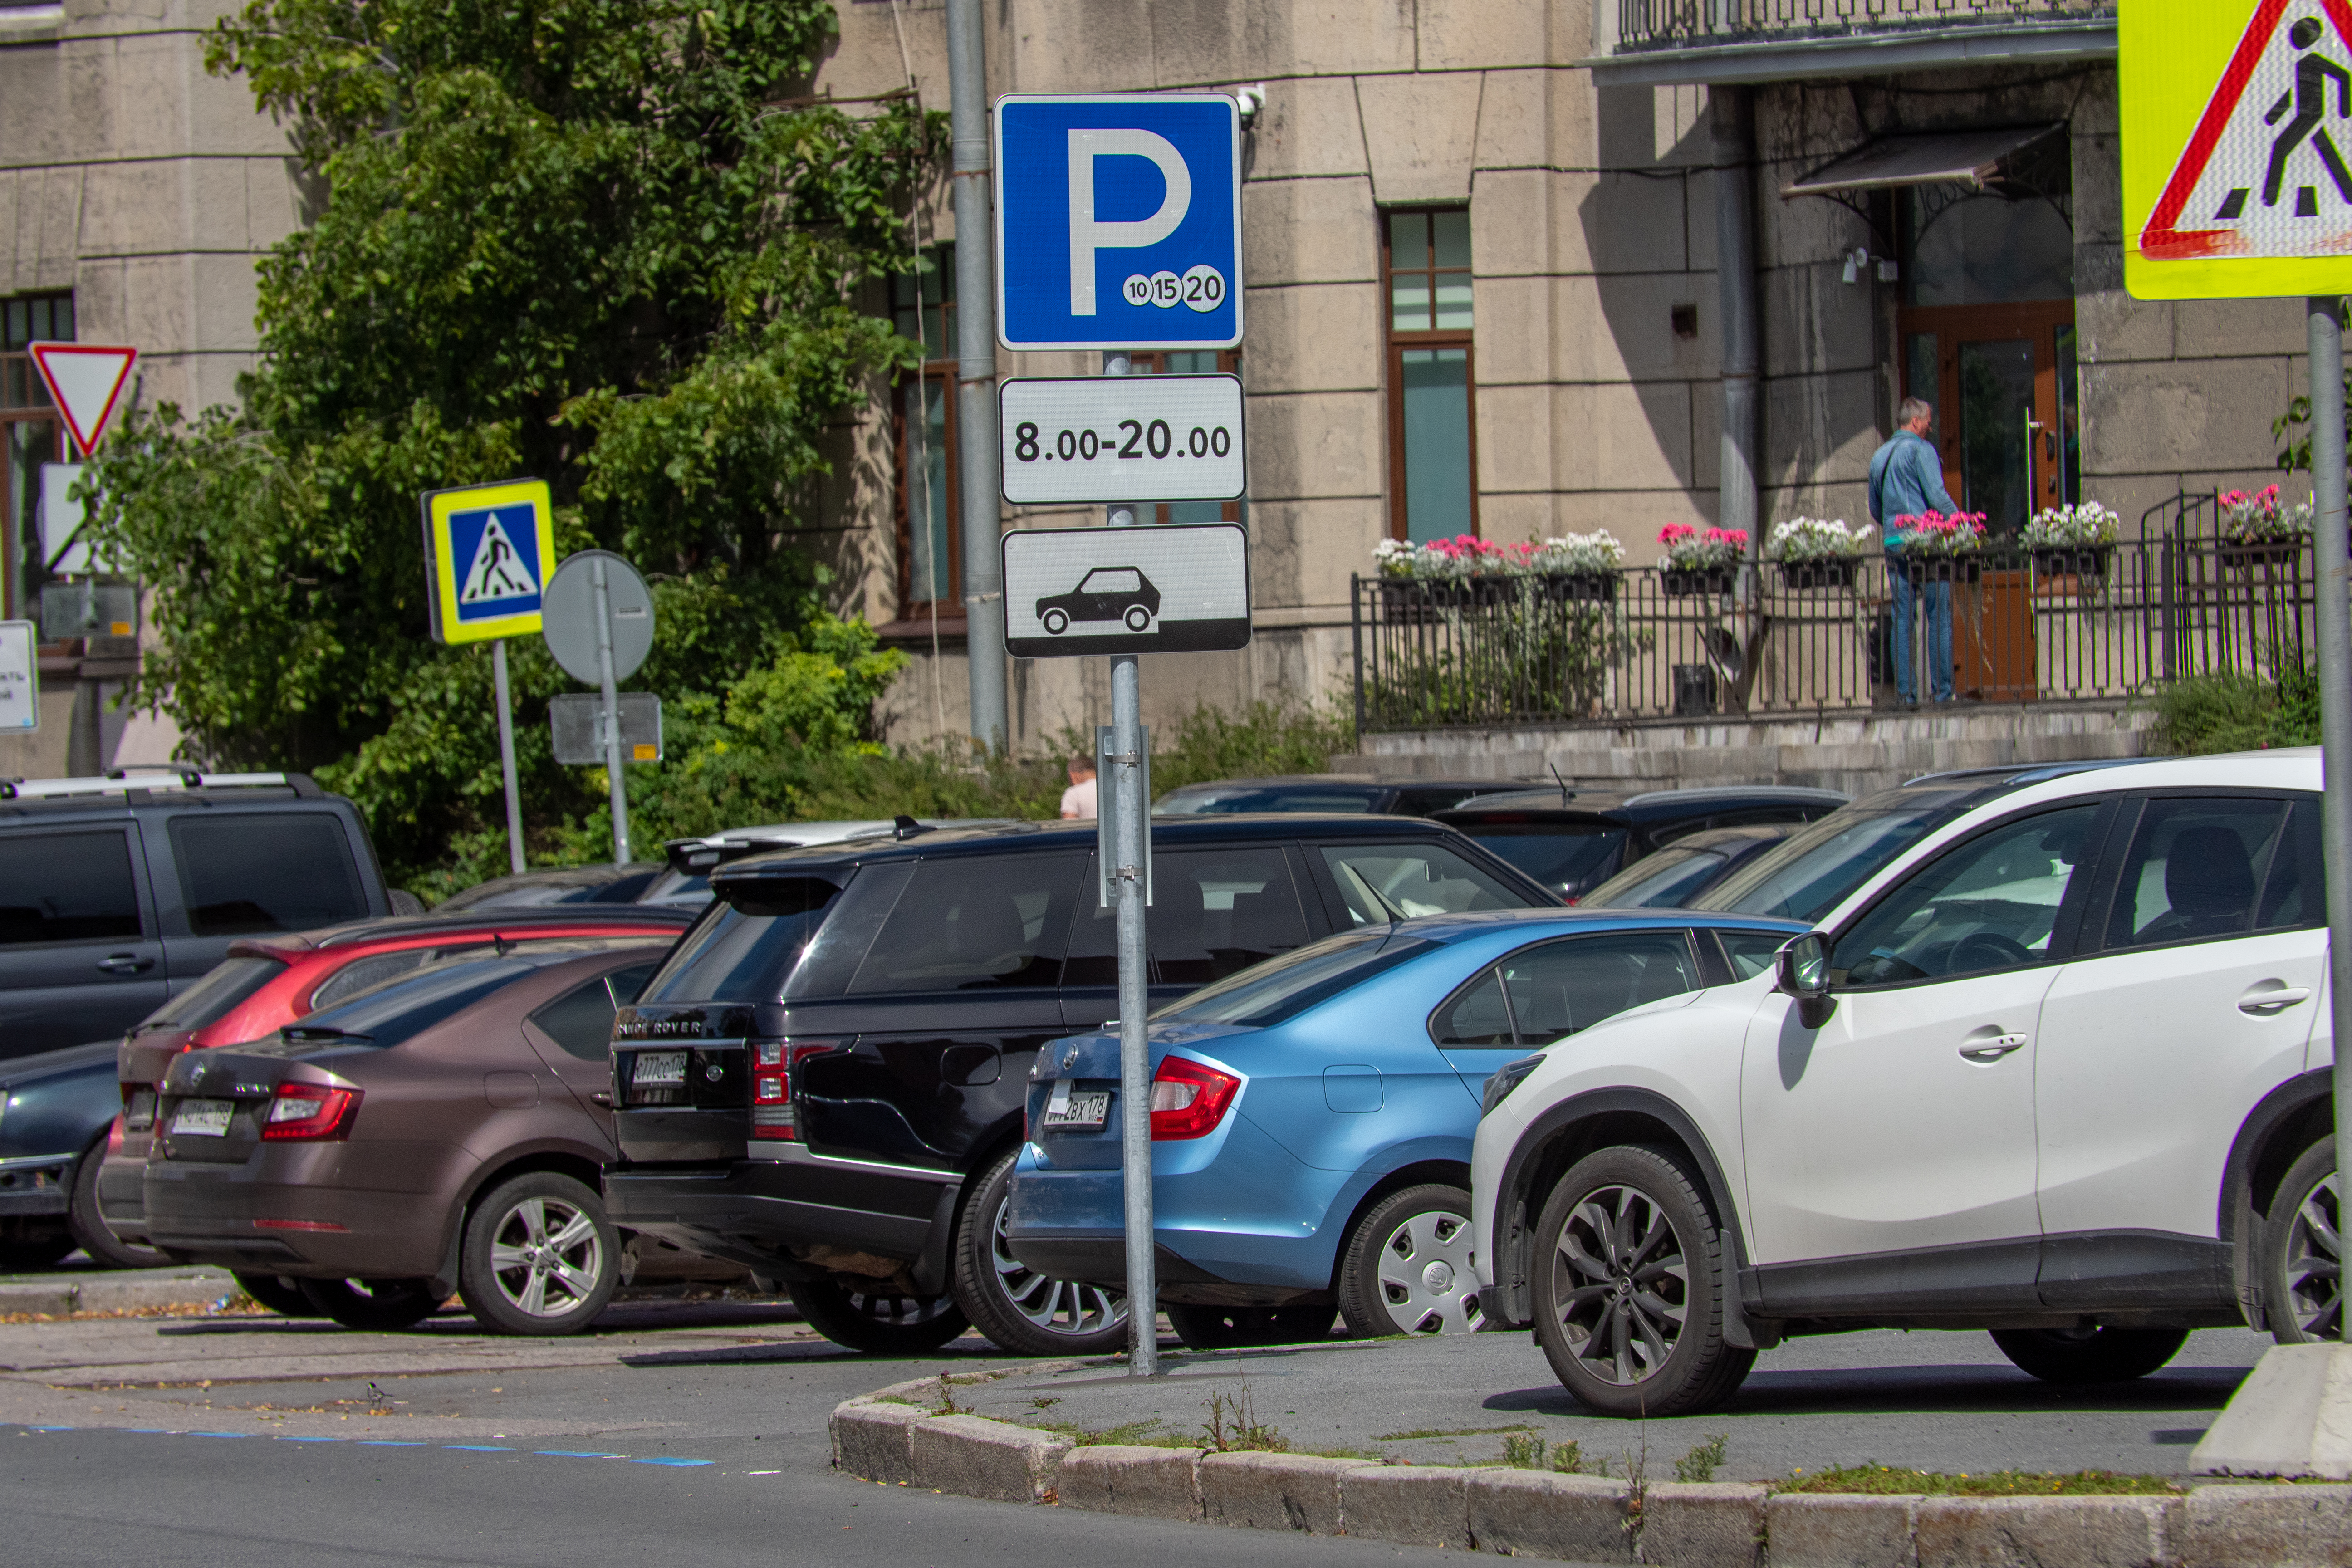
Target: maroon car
{"points": [[440, 1133]]}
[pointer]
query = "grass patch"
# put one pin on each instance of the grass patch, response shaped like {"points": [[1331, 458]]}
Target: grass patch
{"points": [[1567, 1459], [1233, 1427], [1701, 1463], [1887, 1480], [1447, 1432]]}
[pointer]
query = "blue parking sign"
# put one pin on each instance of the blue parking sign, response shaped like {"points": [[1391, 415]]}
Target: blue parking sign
{"points": [[1118, 222]]}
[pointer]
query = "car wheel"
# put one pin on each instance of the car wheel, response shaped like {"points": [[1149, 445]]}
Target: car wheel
{"points": [[877, 1322], [28, 1244], [2089, 1355], [1017, 1308], [89, 1227], [382, 1306], [1057, 623], [1629, 1289], [1139, 620], [1406, 1267], [277, 1292], [1237, 1328], [539, 1256], [2303, 1293]]}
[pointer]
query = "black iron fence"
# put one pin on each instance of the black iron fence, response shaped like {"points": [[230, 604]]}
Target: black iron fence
{"points": [[2107, 622], [1668, 24]]}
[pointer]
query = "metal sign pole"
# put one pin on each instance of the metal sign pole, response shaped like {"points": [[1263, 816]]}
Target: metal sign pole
{"points": [[2334, 702], [975, 349], [1134, 990], [506, 755], [612, 715]]}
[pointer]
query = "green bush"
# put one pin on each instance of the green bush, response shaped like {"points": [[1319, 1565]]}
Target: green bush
{"points": [[2229, 710]]}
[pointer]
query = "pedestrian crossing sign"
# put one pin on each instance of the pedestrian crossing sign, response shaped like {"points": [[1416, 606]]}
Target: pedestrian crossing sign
{"points": [[487, 550], [2237, 148]]}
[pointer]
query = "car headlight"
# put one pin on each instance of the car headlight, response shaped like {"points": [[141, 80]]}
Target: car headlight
{"points": [[1500, 1083]]}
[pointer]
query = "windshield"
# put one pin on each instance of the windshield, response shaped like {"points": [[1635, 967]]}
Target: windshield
{"points": [[1286, 987], [1812, 871], [208, 1001], [1266, 797], [1661, 881], [400, 1008], [1566, 857]]}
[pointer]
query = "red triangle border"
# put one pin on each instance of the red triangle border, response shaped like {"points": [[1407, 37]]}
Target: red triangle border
{"points": [[84, 440]]}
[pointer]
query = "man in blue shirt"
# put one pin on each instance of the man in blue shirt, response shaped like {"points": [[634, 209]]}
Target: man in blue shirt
{"points": [[1906, 479]]}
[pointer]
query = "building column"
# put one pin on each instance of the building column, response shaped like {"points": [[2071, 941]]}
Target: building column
{"points": [[1733, 114]]}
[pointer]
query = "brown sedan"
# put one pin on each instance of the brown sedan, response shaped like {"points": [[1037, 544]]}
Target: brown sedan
{"points": [[439, 1133]]}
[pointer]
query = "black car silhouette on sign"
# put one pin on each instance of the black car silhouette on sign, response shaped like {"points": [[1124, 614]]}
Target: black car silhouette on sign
{"points": [[1106, 594]]}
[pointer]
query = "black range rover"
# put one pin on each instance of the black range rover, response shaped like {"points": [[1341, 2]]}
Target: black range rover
{"points": [[826, 1079]]}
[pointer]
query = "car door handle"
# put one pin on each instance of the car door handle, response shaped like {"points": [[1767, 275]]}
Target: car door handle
{"points": [[125, 963], [2262, 1004], [1992, 1047], [600, 1096]]}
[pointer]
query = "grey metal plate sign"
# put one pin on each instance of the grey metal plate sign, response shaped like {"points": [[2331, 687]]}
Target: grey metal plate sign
{"points": [[1121, 439], [1177, 589], [568, 611], [577, 718]]}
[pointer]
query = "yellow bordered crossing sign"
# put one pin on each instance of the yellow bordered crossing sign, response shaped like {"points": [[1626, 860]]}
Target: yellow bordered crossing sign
{"points": [[487, 551], [2237, 148]]}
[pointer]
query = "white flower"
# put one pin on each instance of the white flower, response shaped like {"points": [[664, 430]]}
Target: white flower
{"points": [[2070, 527], [1803, 539], [1580, 554]]}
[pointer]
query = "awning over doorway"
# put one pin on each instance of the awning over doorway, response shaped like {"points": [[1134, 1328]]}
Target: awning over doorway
{"points": [[1930, 158]]}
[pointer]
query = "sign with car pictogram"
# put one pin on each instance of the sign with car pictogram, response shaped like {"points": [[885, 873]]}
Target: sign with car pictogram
{"points": [[1183, 588]]}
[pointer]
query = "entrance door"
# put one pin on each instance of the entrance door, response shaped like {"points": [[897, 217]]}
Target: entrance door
{"points": [[2002, 378]]}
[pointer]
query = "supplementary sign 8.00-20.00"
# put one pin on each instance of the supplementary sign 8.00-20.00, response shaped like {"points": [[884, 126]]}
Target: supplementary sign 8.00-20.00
{"points": [[1122, 438]]}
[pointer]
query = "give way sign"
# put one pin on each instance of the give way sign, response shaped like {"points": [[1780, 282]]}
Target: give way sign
{"points": [[86, 383]]}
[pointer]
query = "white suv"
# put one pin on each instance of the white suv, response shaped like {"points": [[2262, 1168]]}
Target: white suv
{"points": [[2059, 1069]]}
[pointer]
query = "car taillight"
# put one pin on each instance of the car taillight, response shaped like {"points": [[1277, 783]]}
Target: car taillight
{"points": [[1188, 1099], [310, 1111], [774, 1115], [114, 1137]]}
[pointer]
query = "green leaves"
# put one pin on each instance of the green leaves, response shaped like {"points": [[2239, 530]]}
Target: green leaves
{"points": [[577, 239]]}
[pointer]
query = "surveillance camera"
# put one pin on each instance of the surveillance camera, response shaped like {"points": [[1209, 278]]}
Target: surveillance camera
{"points": [[1252, 99]]}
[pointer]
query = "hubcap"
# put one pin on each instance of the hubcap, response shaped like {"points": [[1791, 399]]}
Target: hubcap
{"points": [[2314, 1282], [1424, 1266], [1056, 1306], [546, 1256], [1620, 1285]]}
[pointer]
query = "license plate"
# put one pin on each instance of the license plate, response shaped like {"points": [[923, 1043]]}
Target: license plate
{"points": [[1077, 1108], [201, 1119], [656, 1069]]}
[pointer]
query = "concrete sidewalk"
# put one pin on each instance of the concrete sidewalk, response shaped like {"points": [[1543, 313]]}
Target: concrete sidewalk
{"points": [[1947, 1402]]}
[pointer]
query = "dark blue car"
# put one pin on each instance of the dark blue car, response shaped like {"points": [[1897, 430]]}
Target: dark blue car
{"points": [[1312, 1116], [55, 1111]]}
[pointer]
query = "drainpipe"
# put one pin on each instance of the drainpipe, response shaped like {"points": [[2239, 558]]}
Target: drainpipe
{"points": [[1733, 111]]}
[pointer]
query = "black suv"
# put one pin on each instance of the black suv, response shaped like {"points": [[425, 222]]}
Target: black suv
{"points": [[116, 892], [1574, 841], [826, 1079]]}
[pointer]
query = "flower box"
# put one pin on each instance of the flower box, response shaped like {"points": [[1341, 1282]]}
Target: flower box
{"points": [[1405, 602], [1580, 587], [1942, 568], [1490, 590], [1801, 577], [1683, 584], [2073, 561], [2246, 556]]}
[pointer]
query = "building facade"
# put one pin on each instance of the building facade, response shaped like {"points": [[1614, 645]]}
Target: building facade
{"points": [[1516, 268]]}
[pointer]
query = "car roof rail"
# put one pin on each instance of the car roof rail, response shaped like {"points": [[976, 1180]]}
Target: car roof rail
{"points": [[162, 777]]}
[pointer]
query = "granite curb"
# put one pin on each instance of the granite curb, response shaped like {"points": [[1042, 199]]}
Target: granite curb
{"points": [[63, 1296], [897, 1436]]}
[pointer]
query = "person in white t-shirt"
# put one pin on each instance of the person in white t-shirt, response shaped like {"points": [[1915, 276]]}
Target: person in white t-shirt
{"points": [[1079, 800]]}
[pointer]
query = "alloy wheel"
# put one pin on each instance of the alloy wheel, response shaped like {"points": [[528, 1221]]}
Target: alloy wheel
{"points": [[1622, 1284], [2314, 1276], [1056, 1306], [546, 1256], [1426, 1280]]}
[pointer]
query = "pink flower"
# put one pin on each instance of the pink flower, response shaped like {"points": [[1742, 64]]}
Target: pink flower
{"points": [[1674, 533]]}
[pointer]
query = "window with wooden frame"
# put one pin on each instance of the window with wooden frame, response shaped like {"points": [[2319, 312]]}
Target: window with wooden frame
{"points": [[923, 427], [1433, 434], [1191, 361], [31, 435]]}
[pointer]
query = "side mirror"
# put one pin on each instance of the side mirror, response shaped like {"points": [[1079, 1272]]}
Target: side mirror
{"points": [[1802, 971]]}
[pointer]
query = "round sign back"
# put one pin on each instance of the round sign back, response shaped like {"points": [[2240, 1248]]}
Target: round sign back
{"points": [[569, 613]]}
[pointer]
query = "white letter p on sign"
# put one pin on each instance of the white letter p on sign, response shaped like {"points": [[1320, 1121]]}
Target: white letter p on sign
{"points": [[1088, 235]]}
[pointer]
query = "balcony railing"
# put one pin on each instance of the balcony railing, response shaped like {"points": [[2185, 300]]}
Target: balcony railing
{"points": [[2098, 625], [1680, 24]]}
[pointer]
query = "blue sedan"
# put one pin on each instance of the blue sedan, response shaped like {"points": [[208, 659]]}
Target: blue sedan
{"points": [[1312, 1117]]}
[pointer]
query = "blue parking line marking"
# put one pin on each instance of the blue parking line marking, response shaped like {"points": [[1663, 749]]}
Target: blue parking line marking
{"points": [[677, 1462], [471, 1447], [667, 1462]]}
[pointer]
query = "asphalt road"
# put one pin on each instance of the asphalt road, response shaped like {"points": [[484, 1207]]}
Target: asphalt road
{"points": [[697, 1435]]}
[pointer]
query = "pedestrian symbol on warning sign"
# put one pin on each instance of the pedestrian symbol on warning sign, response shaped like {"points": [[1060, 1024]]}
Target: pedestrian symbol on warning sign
{"points": [[2265, 173], [498, 572], [488, 550]]}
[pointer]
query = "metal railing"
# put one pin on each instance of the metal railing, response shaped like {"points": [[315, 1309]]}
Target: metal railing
{"points": [[1673, 24], [2105, 624]]}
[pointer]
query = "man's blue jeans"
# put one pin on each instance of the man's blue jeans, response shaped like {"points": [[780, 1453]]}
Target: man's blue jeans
{"points": [[1907, 596]]}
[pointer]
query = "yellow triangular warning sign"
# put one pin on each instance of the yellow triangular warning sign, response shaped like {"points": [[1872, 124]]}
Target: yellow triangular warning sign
{"points": [[498, 570], [2268, 170]]}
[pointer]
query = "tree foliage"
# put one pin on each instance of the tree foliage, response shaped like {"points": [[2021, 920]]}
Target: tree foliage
{"points": [[599, 242]]}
